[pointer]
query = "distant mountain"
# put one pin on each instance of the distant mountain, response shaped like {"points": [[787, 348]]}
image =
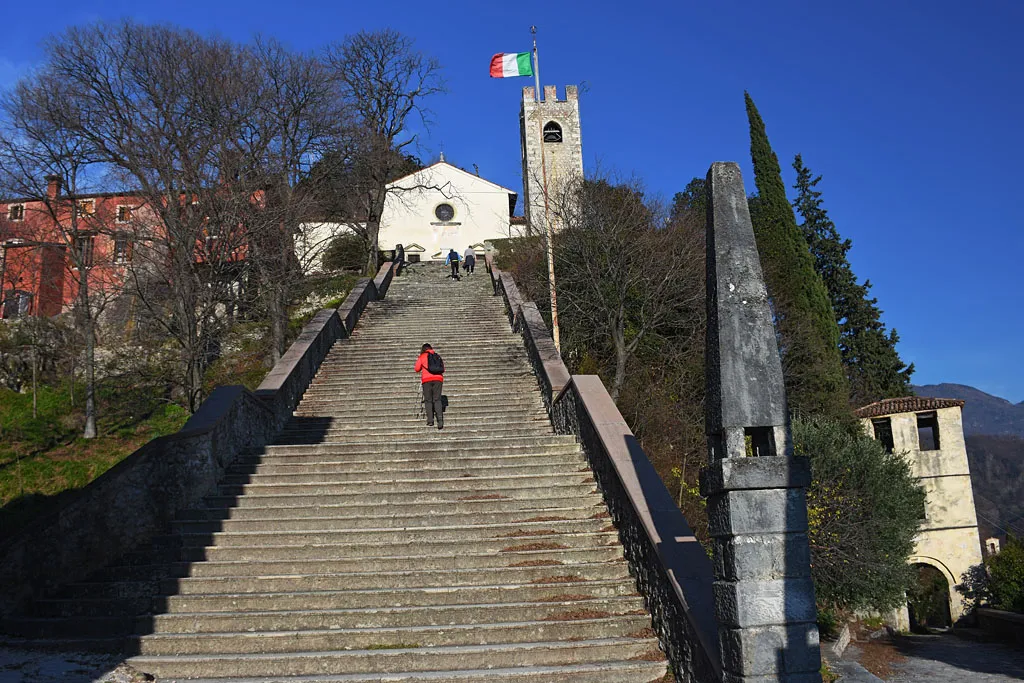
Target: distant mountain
{"points": [[997, 477], [983, 413]]}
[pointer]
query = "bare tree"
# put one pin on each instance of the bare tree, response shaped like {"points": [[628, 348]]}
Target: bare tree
{"points": [[617, 261], [298, 118], [42, 159], [165, 110], [384, 80]]}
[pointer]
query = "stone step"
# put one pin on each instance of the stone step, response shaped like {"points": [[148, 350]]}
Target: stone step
{"points": [[601, 672], [429, 441], [341, 639], [485, 407], [358, 350], [533, 410], [371, 579], [341, 473], [492, 504], [563, 557], [379, 522], [265, 551], [409, 659], [342, 470], [441, 451], [392, 485], [413, 391], [467, 491], [400, 597], [377, 578], [339, 462], [414, 395], [491, 613], [465, 372], [411, 428], [224, 539]]}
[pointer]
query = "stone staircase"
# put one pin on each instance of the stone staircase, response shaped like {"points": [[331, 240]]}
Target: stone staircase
{"points": [[364, 546]]}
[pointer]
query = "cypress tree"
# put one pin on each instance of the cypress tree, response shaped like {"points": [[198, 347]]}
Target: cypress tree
{"points": [[873, 366], [808, 334]]}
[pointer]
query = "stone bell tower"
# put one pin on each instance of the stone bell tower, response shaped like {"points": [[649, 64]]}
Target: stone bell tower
{"points": [[552, 149]]}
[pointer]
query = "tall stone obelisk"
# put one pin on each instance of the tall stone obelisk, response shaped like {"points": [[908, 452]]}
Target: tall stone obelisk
{"points": [[757, 510]]}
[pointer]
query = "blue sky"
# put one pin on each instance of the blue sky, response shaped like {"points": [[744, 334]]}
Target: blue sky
{"points": [[911, 111]]}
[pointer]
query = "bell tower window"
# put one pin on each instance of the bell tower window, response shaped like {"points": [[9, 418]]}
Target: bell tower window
{"points": [[552, 132]]}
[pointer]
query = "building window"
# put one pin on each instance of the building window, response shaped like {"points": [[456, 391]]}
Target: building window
{"points": [[552, 132], [444, 212], [413, 258], [928, 431], [16, 212], [124, 213], [882, 427], [83, 251], [121, 247], [17, 304], [87, 207]]}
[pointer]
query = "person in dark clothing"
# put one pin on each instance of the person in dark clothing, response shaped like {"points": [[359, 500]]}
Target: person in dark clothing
{"points": [[431, 387], [399, 259], [453, 261]]}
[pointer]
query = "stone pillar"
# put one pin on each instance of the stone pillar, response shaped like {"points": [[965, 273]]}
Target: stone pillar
{"points": [[757, 511]]}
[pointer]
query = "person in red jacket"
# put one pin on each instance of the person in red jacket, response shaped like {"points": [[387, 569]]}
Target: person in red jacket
{"points": [[431, 386]]}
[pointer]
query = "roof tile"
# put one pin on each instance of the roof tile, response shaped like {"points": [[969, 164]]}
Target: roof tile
{"points": [[906, 404]]}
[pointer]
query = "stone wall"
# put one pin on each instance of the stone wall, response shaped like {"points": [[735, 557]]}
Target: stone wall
{"points": [[140, 496]]}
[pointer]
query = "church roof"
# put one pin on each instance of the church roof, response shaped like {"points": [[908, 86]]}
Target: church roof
{"points": [[906, 404], [448, 167]]}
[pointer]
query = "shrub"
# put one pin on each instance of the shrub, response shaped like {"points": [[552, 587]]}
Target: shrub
{"points": [[863, 507], [999, 581], [345, 252]]}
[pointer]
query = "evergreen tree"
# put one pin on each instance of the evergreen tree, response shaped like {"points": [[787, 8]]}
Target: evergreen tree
{"points": [[873, 366], [808, 334]]}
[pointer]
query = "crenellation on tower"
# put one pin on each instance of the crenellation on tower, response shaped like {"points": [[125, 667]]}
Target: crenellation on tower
{"points": [[552, 150]]}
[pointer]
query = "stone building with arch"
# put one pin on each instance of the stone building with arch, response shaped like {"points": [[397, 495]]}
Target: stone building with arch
{"points": [[930, 432]]}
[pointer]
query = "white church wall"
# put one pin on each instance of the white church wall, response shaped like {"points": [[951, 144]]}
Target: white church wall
{"points": [[313, 239], [481, 211]]}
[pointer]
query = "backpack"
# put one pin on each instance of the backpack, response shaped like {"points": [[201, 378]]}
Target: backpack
{"points": [[435, 366]]}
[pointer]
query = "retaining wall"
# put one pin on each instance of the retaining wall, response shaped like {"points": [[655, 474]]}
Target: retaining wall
{"points": [[139, 497]]}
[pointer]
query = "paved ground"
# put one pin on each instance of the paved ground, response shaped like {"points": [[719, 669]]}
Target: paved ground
{"points": [[20, 666], [938, 659], [948, 659]]}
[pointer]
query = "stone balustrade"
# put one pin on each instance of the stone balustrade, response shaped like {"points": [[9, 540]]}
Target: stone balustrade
{"points": [[671, 569]]}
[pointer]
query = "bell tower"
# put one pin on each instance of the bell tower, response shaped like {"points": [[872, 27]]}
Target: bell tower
{"points": [[549, 131]]}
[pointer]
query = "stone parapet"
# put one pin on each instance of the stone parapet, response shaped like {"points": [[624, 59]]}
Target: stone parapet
{"points": [[671, 568]]}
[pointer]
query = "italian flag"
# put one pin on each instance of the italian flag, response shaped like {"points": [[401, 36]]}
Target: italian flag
{"points": [[508, 64]]}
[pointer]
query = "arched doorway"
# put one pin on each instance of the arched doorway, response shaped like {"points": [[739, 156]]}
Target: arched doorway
{"points": [[928, 600]]}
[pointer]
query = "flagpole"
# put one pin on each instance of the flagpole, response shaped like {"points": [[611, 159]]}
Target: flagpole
{"points": [[536, 67], [547, 213]]}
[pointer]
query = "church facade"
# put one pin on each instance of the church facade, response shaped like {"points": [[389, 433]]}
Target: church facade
{"points": [[443, 207]]}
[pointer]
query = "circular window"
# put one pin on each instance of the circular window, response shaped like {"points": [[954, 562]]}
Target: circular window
{"points": [[444, 212]]}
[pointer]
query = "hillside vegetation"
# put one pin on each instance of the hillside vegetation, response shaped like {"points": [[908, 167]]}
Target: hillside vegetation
{"points": [[43, 457]]}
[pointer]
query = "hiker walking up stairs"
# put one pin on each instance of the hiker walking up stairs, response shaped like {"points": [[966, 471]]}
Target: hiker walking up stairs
{"points": [[365, 546]]}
